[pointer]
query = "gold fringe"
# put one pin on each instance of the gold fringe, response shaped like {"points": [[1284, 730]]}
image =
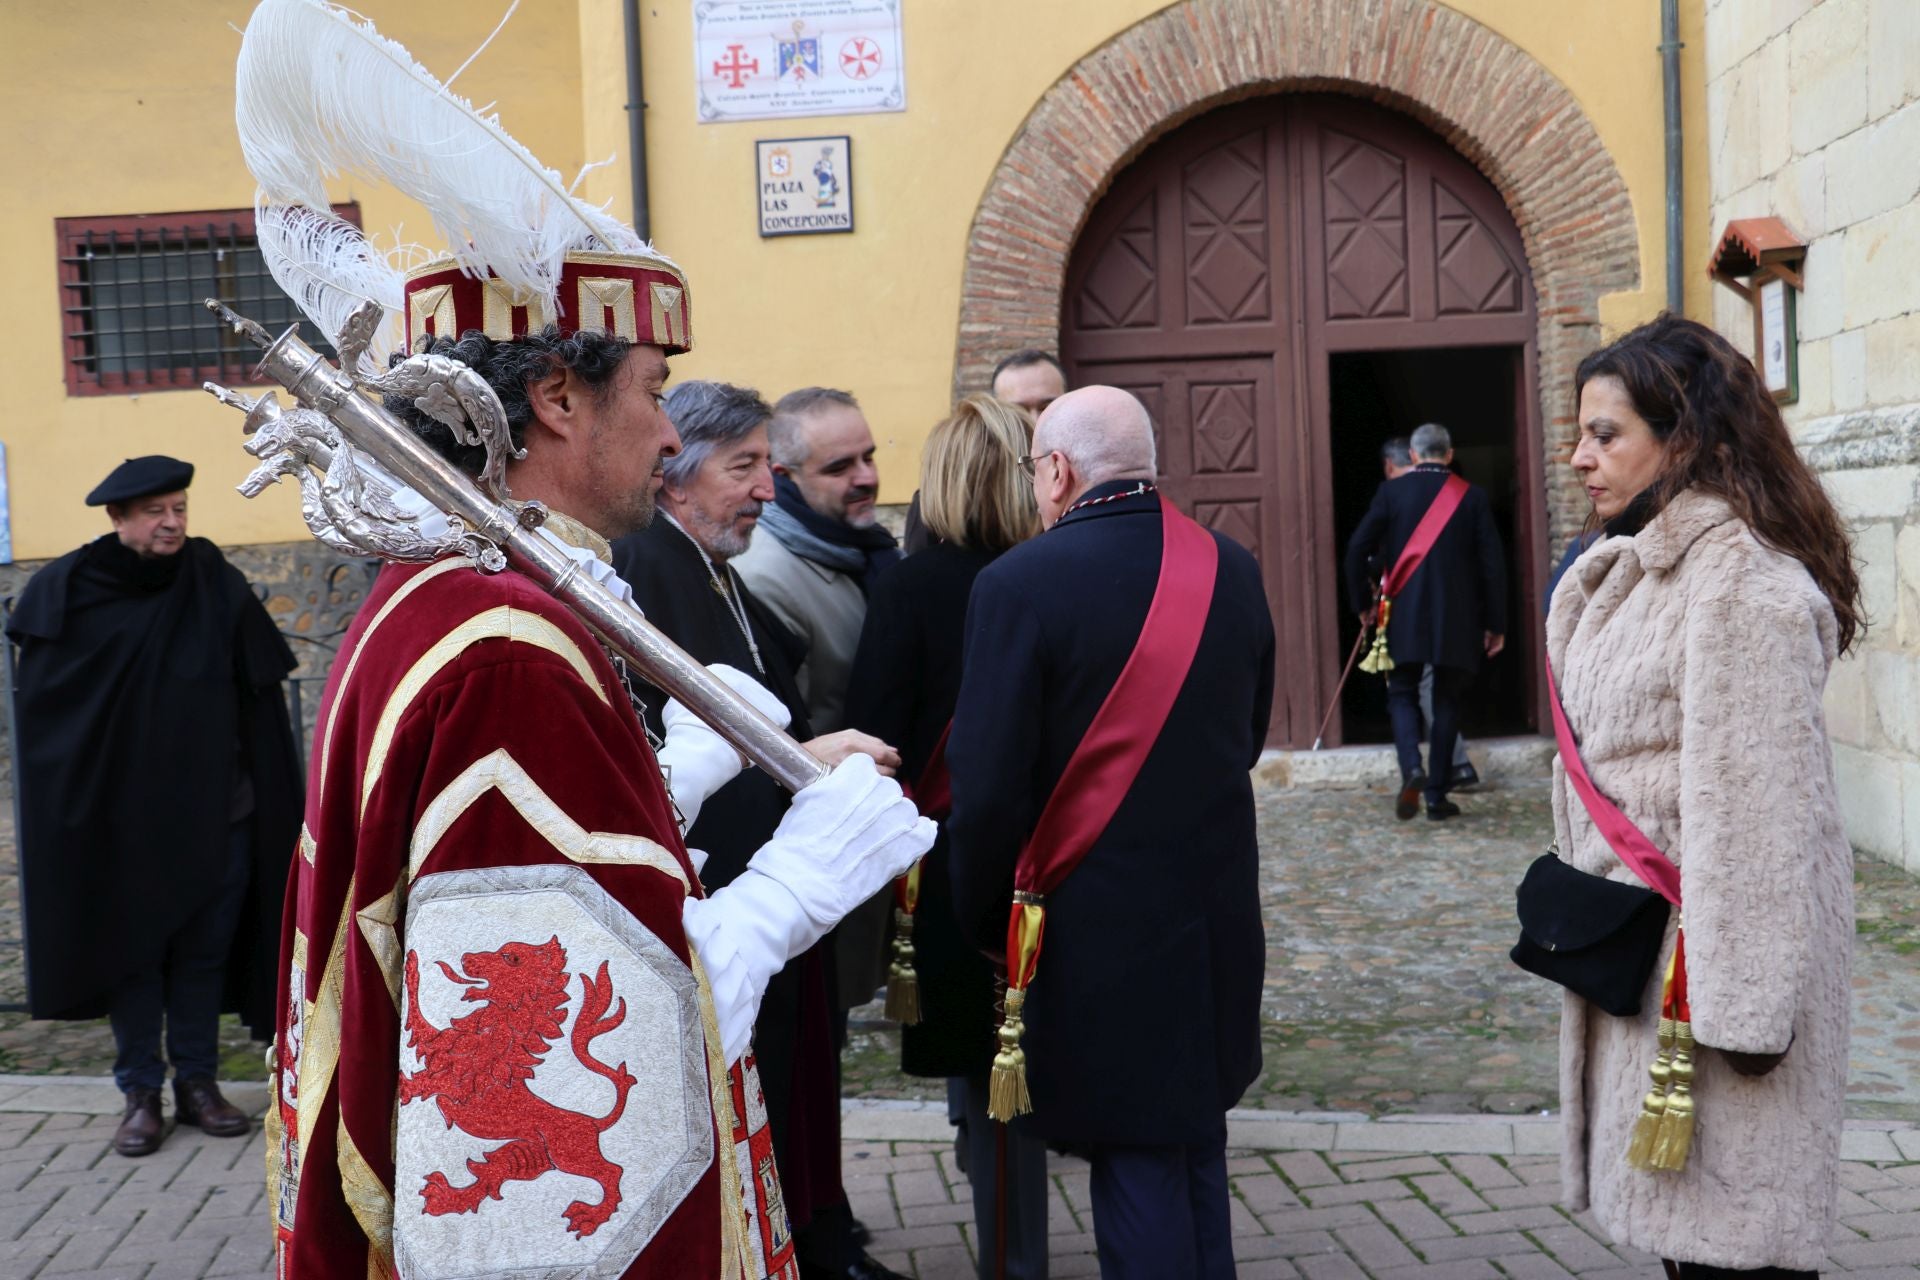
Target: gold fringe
{"points": [[1007, 1088], [903, 983], [1378, 661], [1646, 1128], [1675, 1140]]}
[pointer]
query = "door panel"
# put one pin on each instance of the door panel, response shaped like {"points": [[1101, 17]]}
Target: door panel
{"points": [[1219, 273]]}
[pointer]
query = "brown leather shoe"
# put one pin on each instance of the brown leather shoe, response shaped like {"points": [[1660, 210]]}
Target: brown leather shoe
{"points": [[140, 1129], [198, 1102]]}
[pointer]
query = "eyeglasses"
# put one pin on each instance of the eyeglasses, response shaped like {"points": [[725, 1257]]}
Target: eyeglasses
{"points": [[1029, 460]]}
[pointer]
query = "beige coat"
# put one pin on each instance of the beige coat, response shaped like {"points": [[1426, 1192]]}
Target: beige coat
{"points": [[1691, 660]]}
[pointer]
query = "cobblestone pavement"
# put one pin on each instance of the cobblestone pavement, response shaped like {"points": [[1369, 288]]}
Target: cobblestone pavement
{"points": [[1388, 994], [1388, 984], [71, 1208]]}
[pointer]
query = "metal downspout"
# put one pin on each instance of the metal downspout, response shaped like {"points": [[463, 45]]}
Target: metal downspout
{"points": [[636, 123], [1670, 47]]}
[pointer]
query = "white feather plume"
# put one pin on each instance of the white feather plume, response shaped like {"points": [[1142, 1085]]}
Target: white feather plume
{"points": [[329, 268], [322, 93]]}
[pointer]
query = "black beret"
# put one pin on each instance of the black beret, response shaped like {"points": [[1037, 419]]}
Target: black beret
{"points": [[142, 478]]}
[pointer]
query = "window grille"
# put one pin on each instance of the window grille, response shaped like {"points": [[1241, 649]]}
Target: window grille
{"points": [[131, 300]]}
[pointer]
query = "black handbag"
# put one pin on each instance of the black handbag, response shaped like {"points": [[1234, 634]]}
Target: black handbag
{"points": [[1598, 938]]}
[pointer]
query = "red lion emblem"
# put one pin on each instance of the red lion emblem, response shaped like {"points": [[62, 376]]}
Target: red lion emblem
{"points": [[478, 1066]]}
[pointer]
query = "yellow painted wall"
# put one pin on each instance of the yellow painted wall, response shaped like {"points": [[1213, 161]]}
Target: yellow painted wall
{"points": [[116, 107], [875, 312], [131, 111]]}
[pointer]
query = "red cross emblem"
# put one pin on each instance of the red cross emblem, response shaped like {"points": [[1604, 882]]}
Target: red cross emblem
{"points": [[859, 58], [735, 69]]}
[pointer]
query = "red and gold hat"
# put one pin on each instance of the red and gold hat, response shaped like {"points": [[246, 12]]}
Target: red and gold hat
{"points": [[639, 297]]}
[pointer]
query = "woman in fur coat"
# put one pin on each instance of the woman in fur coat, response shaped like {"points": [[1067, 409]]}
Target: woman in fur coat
{"points": [[1691, 644]]}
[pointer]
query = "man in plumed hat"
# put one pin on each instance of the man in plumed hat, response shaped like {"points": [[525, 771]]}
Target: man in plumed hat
{"points": [[159, 796]]}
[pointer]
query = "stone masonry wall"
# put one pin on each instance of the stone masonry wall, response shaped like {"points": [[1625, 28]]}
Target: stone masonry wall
{"points": [[1813, 110]]}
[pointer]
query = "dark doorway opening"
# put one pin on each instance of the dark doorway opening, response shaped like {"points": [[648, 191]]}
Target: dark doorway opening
{"points": [[1473, 392]]}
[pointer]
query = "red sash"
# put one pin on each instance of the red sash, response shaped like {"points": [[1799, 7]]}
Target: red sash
{"points": [[1663, 1132], [1641, 855], [1425, 534], [1102, 769]]}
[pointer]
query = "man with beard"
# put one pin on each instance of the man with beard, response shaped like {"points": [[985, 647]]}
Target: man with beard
{"points": [[515, 1030], [681, 571], [159, 796], [813, 562]]}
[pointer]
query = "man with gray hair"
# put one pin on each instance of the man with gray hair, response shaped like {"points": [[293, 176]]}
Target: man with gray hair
{"points": [[1117, 681], [681, 571], [1448, 616], [1396, 457]]}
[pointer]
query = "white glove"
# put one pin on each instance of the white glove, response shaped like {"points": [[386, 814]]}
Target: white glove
{"points": [[697, 760], [843, 840]]}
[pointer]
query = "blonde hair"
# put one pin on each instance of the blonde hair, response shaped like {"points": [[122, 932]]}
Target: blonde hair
{"points": [[972, 491]]}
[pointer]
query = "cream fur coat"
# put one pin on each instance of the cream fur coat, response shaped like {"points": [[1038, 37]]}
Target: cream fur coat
{"points": [[1691, 660]]}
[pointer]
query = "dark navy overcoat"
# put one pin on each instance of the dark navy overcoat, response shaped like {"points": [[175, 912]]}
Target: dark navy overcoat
{"points": [[1459, 591], [1143, 1024]]}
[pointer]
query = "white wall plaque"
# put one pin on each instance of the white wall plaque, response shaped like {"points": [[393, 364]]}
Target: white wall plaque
{"points": [[805, 185], [764, 59]]}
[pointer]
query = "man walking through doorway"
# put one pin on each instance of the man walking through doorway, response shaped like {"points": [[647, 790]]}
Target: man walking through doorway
{"points": [[1449, 614]]}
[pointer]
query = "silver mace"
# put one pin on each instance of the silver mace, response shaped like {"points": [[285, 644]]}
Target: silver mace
{"points": [[353, 508]]}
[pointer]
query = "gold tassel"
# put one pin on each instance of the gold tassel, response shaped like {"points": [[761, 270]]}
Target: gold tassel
{"points": [[903, 983], [1378, 661], [1646, 1129], [1675, 1141], [1007, 1088]]}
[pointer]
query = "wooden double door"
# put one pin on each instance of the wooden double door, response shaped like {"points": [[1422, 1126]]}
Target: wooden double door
{"points": [[1221, 276]]}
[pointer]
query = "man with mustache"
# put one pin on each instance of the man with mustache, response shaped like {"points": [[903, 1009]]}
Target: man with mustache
{"points": [[681, 571]]}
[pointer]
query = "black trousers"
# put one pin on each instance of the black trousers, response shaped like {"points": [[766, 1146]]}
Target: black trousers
{"points": [[183, 990], [1403, 703], [1700, 1271]]}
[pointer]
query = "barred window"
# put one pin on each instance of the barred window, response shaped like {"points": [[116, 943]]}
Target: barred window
{"points": [[131, 299]]}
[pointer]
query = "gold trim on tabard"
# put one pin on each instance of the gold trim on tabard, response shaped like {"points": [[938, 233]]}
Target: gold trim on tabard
{"points": [[308, 849], [435, 303], [320, 1042], [370, 1200], [734, 1246], [499, 771], [378, 922], [599, 294], [497, 301], [503, 622], [665, 299], [413, 584], [299, 951]]}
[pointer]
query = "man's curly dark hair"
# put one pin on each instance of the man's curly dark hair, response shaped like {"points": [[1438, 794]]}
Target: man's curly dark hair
{"points": [[508, 367]]}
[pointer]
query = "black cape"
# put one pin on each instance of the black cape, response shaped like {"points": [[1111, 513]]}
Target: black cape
{"points": [[792, 1038], [146, 690]]}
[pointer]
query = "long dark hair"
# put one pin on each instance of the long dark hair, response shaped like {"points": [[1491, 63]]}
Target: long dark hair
{"points": [[1724, 435]]}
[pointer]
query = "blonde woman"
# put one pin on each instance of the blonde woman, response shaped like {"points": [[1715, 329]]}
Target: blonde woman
{"points": [[976, 504]]}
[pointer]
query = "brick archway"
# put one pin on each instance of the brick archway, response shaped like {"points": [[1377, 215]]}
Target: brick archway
{"points": [[1486, 96]]}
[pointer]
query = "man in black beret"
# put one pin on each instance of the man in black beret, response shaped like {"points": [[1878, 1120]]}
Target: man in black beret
{"points": [[159, 796]]}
